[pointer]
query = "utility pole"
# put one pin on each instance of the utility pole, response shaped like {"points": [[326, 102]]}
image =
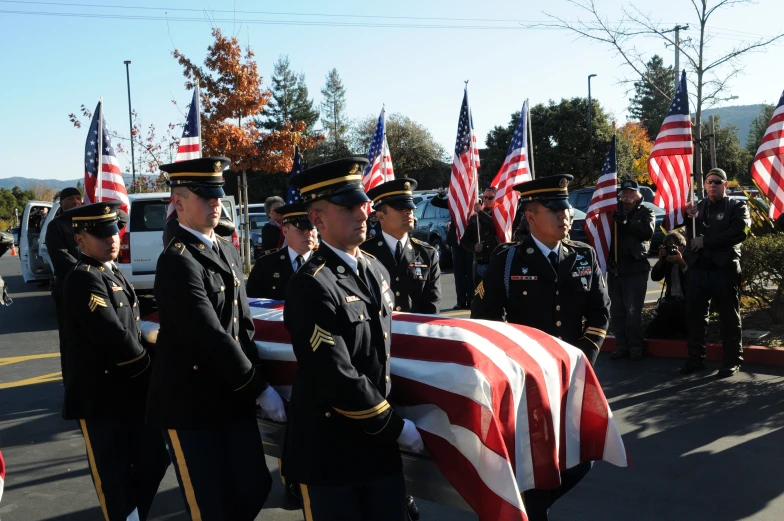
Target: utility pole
{"points": [[130, 122], [677, 70], [712, 142], [590, 129]]}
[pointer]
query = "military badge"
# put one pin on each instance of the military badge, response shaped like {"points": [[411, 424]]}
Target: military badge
{"points": [[529, 251], [719, 216], [525, 270], [418, 272], [341, 269], [216, 166], [106, 210], [276, 275], [352, 298], [201, 246]]}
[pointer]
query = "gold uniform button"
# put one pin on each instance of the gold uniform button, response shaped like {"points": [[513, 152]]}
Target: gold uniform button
{"points": [[235, 320], [235, 302], [386, 378], [134, 304], [379, 313], [327, 414], [397, 293], [558, 308], [106, 372], [195, 367], [223, 288], [397, 279], [273, 287], [387, 356], [558, 323], [556, 292], [397, 308], [137, 318], [236, 338], [120, 304], [525, 293], [385, 334]]}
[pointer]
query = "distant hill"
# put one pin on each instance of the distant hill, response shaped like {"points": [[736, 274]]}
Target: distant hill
{"points": [[740, 116], [25, 182]]}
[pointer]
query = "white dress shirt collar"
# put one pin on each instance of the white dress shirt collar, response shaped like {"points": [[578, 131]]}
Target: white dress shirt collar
{"points": [[546, 249], [345, 257], [293, 257], [208, 240], [392, 242]]}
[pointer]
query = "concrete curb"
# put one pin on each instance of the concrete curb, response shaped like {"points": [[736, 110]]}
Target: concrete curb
{"points": [[759, 355]]}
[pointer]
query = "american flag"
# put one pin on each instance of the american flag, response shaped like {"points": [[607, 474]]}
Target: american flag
{"points": [[670, 163], [515, 170], [190, 142], [292, 194], [598, 219], [502, 408], [2, 474], [108, 178], [767, 171], [464, 184], [379, 169]]}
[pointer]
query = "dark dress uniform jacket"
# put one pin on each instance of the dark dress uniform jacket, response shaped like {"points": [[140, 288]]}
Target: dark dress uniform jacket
{"points": [[416, 280], [108, 366], [341, 429], [270, 275], [555, 303], [204, 369], [724, 226], [63, 250]]}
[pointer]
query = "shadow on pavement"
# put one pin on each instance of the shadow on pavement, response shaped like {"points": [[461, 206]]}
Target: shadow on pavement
{"points": [[29, 313]]}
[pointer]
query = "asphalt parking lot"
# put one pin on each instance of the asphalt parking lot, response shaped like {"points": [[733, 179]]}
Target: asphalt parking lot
{"points": [[700, 448]]}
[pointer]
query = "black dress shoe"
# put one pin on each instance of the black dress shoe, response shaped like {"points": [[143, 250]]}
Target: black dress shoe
{"points": [[293, 494], [458, 306], [412, 509], [693, 365], [728, 370]]}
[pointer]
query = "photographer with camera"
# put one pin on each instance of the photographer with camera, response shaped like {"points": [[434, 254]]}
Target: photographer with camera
{"points": [[669, 319]]}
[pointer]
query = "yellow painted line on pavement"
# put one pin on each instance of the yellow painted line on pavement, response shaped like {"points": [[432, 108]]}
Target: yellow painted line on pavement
{"points": [[17, 359], [459, 313], [44, 378]]}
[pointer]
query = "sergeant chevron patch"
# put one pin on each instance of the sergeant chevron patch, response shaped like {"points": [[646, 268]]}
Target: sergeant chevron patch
{"points": [[480, 290], [320, 336], [96, 301]]}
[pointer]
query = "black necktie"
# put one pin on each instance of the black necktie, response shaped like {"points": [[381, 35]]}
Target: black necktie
{"points": [[553, 260], [398, 252], [364, 277], [299, 260]]}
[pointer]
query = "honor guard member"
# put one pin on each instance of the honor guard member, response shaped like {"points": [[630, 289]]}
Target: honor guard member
{"points": [[342, 436], [272, 271], [411, 263], [109, 369], [550, 283], [64, 253], [204, 383]]}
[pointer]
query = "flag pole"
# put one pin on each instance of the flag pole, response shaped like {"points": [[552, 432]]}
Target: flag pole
{"points": [[198, 115], [530, 138], [473, 161], [615, 224], [99, 166], [384, 143]]}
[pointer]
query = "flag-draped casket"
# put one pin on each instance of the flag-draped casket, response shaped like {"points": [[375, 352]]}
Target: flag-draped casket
{"points": [[502, 408]]}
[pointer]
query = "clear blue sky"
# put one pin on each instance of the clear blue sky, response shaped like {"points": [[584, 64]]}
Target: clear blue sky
{"points": [[53, 64]]}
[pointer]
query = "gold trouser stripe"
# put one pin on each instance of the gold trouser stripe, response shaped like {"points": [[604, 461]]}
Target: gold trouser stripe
{"points": [[185, 476], [280, 471], [306, 502], [94, 469]]}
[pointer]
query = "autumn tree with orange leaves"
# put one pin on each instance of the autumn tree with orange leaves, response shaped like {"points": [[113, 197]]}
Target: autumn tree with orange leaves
{"points": [[232, 96], [634, 149]]}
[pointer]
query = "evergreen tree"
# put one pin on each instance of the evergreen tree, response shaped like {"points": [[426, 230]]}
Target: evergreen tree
{"points": [[652, 96], [333, 111], [758, 127], [289, 101]]}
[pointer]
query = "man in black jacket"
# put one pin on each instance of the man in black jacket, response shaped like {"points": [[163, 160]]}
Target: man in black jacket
{"points": [[722, 224], [670, 319], [271, 234], [109, 369], [627, 277], [462, 260], [412, 264], [342, 436], [64, 253], [204, 385], [272, 271], [481, 238]]}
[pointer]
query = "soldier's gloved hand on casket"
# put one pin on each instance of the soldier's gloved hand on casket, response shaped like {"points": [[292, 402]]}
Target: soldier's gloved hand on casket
{"points": [[409, 437], [271, 405]]}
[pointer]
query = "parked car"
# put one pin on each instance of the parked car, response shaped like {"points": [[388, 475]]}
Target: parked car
{"points": [[431, 224], [577, 232], [34, 267], [581, 198], [14, 230], [257, 222], [142, 242]]}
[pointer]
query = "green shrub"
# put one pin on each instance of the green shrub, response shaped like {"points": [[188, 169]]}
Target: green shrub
{"points": [[762, 262]]}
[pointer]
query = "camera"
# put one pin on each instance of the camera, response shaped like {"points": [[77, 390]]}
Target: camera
{"points": [[672, 250]]}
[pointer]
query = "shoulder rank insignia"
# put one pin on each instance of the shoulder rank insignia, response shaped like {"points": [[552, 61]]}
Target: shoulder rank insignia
{"points": [[320, 336], [422, 243], [480, 290], [95, 302]]}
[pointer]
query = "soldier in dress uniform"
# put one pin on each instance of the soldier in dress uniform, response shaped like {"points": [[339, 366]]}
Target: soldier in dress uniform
{"points": [[109, 369], [272, 271], [550, 283], [412, 264], [205, 385], [342, 436]]}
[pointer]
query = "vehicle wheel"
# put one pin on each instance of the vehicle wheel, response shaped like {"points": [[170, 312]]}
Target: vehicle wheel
{"points": [[444, 258]]}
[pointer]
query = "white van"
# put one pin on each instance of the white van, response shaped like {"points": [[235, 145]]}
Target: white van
{"points": [[34, 267]]}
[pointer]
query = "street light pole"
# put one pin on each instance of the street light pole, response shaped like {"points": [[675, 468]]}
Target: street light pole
{"points": [[130, 123], [590, 128]]}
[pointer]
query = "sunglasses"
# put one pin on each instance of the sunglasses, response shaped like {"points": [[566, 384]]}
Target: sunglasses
{"points": [[488, 197], [714, 182]]}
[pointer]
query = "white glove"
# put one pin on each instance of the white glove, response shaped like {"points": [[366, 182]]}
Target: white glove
{"points": [[271, 405], [410, 439]]}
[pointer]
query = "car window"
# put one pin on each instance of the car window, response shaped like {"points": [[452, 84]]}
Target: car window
{"points": [[430, 211], [148, 216], [583, 199], [443, 213], [257, 221], [420, 209]]}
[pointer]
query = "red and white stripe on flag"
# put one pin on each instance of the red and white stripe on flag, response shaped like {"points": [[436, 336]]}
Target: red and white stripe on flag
{"points": [[99, 145], [379, 169], [514, 171], [2, 475], [670, 163], [463, 185], [598, 218], [502, 408], [767, 171]]}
